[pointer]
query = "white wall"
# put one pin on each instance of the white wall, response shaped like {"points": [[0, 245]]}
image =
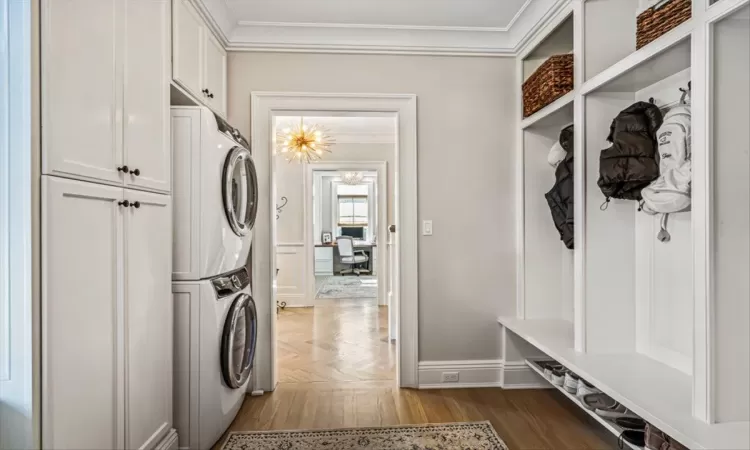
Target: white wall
{"points": [[466, 182]]}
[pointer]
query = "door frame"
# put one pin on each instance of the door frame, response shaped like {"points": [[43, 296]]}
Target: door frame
{"points": [[382, 218], [264, 105]]}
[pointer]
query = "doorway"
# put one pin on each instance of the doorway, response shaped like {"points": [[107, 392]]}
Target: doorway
{"points": [[265, 108]]}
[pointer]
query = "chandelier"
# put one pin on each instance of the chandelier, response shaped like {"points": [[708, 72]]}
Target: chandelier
{"points": [[352, 178], [303, 143]]}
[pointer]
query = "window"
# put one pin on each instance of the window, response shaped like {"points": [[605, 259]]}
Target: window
{"points": [[353, 210]]}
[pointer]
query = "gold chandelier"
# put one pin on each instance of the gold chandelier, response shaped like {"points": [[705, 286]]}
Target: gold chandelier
{"points": [[303, 143]]}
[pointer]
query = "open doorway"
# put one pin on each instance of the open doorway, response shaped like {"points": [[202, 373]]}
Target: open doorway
{"points": [[334, 321]]}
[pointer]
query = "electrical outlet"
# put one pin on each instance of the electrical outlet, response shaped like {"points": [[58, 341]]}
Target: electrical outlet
{"points": [[450, 377]]}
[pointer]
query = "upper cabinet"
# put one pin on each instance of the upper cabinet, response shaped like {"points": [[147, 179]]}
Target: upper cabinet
{"points": [[200, 61], [105, 92]]}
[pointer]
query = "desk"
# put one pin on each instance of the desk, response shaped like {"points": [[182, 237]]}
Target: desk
{"points": [[327, 257]]}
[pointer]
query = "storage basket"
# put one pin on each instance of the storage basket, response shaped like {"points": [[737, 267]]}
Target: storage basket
{"points": [[552, 80], [658, 20]]}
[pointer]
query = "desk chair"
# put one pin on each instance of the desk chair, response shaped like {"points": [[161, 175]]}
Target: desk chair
{"points": [[349, 256]]}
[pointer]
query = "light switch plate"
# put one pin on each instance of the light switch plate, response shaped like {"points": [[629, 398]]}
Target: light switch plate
{"points": [[427, 228]]}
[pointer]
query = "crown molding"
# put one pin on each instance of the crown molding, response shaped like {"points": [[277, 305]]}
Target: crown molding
{"points": [[256, 36]]}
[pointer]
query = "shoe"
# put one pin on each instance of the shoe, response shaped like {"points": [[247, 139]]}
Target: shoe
{"points": [[598, 400], [631, 423], [657, 440], [558, 377], [570, 384], [635, 437], [584, 388], [614, 412], [548, 366]]}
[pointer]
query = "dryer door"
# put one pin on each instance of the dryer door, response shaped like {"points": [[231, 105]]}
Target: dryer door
{"points": [[240, 190], [238, 341]]}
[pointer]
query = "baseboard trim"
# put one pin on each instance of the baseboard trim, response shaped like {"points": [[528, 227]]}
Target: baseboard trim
{"points": [[169, 442], [471, 374], [480, 374], [517, 375]]}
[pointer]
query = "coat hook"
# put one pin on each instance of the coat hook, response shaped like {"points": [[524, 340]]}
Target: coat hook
{"points": [[280, 207], [651, 100]]}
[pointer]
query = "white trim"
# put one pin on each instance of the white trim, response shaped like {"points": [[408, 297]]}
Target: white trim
{"points": [[471, 374], [375, 26], [579, 183], [263, 106]]}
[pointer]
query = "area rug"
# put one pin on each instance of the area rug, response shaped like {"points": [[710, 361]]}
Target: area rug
{"points": [[451, 436], [349, 287]]}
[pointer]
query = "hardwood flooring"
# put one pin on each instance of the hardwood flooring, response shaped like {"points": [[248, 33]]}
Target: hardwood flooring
{"points": [[337, 369]]}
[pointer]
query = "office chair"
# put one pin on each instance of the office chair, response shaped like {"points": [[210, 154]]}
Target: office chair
{"points": [[349, 256]]}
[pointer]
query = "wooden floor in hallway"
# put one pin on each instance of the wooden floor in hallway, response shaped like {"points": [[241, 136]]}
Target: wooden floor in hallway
{"points": [[337, 369]]}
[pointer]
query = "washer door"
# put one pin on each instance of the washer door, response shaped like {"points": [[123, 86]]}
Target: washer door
{"points": [[238, 341], [240, 190]]}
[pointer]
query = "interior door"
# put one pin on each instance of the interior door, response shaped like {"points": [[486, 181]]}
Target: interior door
{"points": [[82, 382], [215, 74], [148, 318], [187, 64], [80, 88], [146, 99]]}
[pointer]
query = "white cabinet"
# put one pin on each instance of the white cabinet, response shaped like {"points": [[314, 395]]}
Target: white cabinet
{"points": [[200, 61], [187, 47], [148, 312], [146, 94], [323, 260], [106, 316], [105, 91], [215, 73]]}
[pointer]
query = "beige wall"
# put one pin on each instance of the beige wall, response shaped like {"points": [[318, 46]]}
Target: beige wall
{"points": [[466, 182]]}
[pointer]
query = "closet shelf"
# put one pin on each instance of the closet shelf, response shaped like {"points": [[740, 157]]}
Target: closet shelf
{"points": [[658, 393], [665, 56], [616, 430], [557, 114]]}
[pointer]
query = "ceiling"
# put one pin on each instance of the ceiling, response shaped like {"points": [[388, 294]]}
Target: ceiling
{"points": [[450, 27], [349, 129], [402, 13]]}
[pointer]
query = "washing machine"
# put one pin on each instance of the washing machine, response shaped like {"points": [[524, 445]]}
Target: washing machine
{"points": [[214, 195], [215, 336]]}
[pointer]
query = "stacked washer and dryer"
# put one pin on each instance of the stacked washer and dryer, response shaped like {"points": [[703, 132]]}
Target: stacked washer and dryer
{"points": [[215, 203]]}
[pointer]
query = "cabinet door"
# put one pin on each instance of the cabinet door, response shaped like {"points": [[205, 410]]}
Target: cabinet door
{"points": [[148, 318], [216, 74], [82, 381], [187, 51], [146, 101], [80, 86]]}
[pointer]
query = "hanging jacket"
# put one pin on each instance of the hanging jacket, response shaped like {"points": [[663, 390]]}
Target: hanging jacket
{"points": [[670, 193], [560, 197], [630, 163]]}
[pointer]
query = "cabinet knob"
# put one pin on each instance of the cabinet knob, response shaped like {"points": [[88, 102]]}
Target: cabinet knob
{"points": [[136, 204], [124, 203], [210, 95], [135, 172], [205, 91], [123, 169]]}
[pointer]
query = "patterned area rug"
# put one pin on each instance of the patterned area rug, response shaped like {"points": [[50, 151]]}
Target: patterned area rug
{"points": [[452, 436], [349, 287]]}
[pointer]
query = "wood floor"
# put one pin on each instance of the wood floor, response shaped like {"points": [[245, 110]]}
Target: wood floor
{"points": [[337, 370]]}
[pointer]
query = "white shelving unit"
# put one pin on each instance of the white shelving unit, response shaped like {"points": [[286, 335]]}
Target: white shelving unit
{"points": [[662, 328], [610, 426]]}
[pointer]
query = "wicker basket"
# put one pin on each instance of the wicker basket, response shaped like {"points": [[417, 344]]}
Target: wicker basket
{"points": [[552, 80], [654, 22]]}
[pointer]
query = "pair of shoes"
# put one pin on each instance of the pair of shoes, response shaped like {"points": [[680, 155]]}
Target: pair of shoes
{"points": [[557, 376], [635, 437], [548, 367], [658, 440], [606, 407], [584, 388]]}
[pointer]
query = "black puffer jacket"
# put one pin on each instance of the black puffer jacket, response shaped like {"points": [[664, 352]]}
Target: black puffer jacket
{"points": [[560, 197], [631, 163]]}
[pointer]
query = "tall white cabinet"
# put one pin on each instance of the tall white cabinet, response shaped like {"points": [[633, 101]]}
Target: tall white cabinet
{"points": [[106, 225]]}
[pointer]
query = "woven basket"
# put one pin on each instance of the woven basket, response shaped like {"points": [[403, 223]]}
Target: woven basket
{"points": [[654, 22], [552, 80]]}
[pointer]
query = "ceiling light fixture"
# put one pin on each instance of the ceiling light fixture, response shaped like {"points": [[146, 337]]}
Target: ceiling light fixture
{"points": [[353, 178], [303, 143]]}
